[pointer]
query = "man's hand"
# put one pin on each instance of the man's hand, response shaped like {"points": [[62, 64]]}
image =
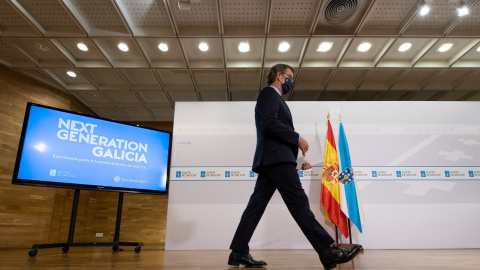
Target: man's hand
{"points": [[306, 166], [303, 145]]}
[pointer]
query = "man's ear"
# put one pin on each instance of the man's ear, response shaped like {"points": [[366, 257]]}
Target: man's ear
{"points": [[279, 74]]}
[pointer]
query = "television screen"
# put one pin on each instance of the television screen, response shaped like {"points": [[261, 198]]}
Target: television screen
{"points": [[64, 149]]}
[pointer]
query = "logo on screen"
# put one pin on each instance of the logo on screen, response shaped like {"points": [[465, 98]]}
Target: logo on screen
{"points": [[202, 174], [227, 173], [300, 173], [53, 172], [116, 178], [252, 174], [471, 174], [179, 174]]}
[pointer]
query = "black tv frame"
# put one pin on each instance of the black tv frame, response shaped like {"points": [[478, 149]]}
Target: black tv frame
{"points": [[42, 183]]}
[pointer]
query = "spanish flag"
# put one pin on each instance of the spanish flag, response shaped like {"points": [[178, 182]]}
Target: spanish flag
{"points": [[330, 194]]}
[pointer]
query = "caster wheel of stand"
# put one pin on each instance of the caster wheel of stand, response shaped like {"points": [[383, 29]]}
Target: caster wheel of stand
{"points": [[33, 253], [115, 248], [138, 249], [65, 249]]}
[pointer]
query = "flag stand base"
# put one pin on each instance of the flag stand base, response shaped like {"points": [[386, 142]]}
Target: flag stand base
{"points": [[342, 245]]}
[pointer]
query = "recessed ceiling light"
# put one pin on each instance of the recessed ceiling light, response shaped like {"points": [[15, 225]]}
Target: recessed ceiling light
{"points": [[42, 47], [82, 47], [123, 47], [324, 46], [243, 47], [404, 47], [365, 46], [71, 74], [462, 11], [478, 49], [163, 47], [283, 47], [445, 47], [424, 10], [203, 47]]}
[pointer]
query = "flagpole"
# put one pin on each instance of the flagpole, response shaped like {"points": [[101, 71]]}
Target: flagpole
{"points": [[336, 235], [340, 118], [336, 228], [349, 231]]}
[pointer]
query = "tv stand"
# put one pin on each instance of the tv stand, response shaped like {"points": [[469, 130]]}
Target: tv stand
{"points": [[66, 246]]}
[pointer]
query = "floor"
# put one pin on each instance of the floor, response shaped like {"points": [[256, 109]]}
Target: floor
{"points": [[157, 258]]}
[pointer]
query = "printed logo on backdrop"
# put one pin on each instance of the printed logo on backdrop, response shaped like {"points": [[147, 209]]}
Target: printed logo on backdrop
{"points": [[385, 173], [406, 173], [210, 174], [187, 174], [238, 174], [312, 174], [418, 173], [214, 174], [361, 173], [457, 174], [431, 174]]}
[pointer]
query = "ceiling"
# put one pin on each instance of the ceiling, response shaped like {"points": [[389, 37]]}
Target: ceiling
{"points": [[39, 39]]}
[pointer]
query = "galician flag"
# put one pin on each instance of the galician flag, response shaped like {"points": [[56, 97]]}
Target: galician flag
{"points": [[330, 193], [350, 201]]}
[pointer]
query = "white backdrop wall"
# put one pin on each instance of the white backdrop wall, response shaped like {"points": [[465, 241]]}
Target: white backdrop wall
{"points": [[417, 167]]}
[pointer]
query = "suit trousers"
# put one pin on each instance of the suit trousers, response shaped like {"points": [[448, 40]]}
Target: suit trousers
{"points": [[284, 177]]}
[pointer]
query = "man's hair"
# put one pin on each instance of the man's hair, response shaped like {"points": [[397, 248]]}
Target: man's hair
{"points": [[274, 70]]}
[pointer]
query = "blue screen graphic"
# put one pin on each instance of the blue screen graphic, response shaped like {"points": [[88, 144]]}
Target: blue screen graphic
{"points": [[63, 147]]}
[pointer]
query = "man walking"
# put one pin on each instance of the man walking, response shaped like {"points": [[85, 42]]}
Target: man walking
{"points": [[275, 162]]}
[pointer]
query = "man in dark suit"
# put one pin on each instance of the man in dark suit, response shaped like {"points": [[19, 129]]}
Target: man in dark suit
{"points": [[275, 162]]}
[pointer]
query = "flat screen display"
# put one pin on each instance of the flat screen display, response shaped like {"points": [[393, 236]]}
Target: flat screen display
{"points": [[64, 149]]}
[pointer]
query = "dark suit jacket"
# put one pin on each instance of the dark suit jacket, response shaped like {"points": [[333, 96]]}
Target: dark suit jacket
{"points": [[277, 141]]}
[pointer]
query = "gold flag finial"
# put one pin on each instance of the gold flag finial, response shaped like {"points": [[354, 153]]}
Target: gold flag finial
{"points": [[340, 117], [328, 116]]}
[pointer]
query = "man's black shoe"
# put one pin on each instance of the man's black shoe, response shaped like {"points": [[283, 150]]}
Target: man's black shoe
{"points": [[340, 255], [350, 249], [237, 259]]}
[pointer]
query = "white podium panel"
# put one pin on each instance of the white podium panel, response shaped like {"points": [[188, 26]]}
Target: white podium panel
{"points": [[417, 165]]}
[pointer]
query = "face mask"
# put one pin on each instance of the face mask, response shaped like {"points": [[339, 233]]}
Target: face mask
{"points": [[287, 86]]}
